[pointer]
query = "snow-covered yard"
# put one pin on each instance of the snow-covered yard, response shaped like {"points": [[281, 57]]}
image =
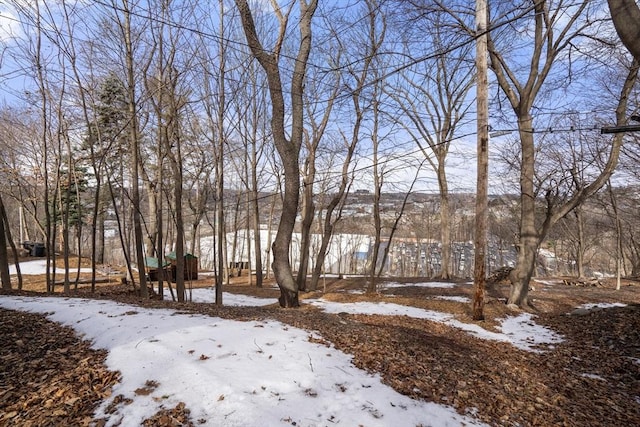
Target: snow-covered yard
{"points": [[264, 372], [232, 373]]}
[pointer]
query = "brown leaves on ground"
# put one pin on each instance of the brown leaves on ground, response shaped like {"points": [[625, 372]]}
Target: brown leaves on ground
{"points": [[48, 377], [178, 416], [590, 379]]}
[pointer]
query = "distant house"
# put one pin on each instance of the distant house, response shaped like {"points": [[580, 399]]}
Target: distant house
{"points": [[152, 268], [190, 266]]}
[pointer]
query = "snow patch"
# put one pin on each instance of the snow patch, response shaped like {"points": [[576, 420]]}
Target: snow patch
{"points": [[392, 285], [453, 298], [521, 331], [31, 268], [208, 295], [601, 305], [231, 373], [593, 377]]}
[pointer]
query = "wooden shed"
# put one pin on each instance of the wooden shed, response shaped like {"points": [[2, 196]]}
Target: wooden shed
{"points": [[152, 269], [190, 266]]}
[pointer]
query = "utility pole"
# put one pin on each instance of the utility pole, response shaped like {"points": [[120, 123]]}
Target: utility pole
{"points": [[623, 129], [482, 200]]}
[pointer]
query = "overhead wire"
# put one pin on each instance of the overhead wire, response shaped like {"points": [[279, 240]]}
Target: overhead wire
{"points": [[149, 15], [395, 70]]}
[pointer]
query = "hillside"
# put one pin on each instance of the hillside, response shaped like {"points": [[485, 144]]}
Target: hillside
{"points": [[590, 378]]}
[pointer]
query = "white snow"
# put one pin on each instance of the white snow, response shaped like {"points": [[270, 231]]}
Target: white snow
{"points": [[39, 266], [584, 309], [231, 373], [209, 295], [521, 331], [525, 334], [593, 377], [391, 285], [600, 305], [453, 298]]}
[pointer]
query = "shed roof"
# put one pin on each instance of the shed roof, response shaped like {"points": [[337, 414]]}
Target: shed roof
{"points": [[187, 255], [152, 262]]}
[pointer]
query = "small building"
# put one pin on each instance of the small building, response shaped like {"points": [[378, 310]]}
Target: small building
{"points": [[153, 270], [34, 249], [190, 266]]}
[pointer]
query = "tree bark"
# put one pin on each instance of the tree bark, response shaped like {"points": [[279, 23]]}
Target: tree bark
{"points": [[529, 239], [255, 206], [482, 202], [288, 147], [308, 210], [550, 38], [9, 238], [580, 244], [135, 148], [222, 261], [626, 18], [445, 223], [5, 278], [378, 180]]}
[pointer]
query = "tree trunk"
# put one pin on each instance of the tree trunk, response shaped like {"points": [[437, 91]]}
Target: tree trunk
{"points": [[546, 49], [308, 211], [135, 150], [7, 236], [626, 16], [634, 255], [94, 223], [377, 230], [281, 262], [256, 217], [288, 147], [322, 252], [482, 202], [378, 180], [236, 260], [100, 238], [5, 278], [528, 241], [176, 161], [396, 222], [520, 276], [223, 266], [445, 222], [580, 244], [619, 252], [270, 235], [151, 222], [337, 201]]}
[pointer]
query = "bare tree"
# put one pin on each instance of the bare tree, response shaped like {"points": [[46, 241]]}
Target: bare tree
{"points": [[258, 133], [553, 33], [432, 101], [288, 146], [134, 140], [221, 142], [318, 122], [81, 93], [36, 58]]}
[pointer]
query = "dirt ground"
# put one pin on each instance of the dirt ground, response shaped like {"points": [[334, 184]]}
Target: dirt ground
{"points": [[592, 378]]}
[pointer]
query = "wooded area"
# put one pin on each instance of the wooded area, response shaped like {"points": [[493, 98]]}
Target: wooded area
{"points": [[243, 134]]}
